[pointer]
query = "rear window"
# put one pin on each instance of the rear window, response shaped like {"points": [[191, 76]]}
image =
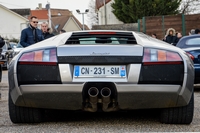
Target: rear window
{"points": [[87, 38], [193, 41], [111, 40]]}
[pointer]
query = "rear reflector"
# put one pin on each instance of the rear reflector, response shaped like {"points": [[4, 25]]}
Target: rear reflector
{"points": [[162, 63], [38, 63], [46, 56]]}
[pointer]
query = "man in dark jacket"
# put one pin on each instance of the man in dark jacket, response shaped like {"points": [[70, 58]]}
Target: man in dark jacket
{"points": [[46, 30], [32, 34], [171, 37]]}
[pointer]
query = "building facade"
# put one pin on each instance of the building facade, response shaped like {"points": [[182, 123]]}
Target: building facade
{"points": [[105, 15]]}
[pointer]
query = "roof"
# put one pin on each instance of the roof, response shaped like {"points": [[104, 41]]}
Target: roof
{"points": [[100, 3], [61, 16], [22, 12], [59, 12], [13, 12], [58, 17], [60, 21], [40, 14]]}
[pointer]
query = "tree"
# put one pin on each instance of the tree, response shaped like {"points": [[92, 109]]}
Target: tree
{"points": [[92, 15], [129, 11], [189, 6]]}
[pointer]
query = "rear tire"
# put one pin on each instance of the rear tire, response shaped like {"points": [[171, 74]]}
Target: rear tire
{"points": [[178, 115], [23, 114]]}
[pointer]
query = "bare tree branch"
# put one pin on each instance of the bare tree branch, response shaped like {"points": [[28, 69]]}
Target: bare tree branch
{"points": [[190, 7], [92, 15]]}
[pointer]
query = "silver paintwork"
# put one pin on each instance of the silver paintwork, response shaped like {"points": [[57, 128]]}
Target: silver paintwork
{"points": [[167, 95], [130, 94], [66, 72], [80, 50]]}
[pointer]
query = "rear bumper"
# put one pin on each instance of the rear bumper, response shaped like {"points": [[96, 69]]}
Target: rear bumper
{"points": [[69, 96]]}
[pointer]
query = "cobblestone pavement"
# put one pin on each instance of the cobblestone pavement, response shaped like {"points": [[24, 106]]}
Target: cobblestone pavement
{"points": [[63, 121]]}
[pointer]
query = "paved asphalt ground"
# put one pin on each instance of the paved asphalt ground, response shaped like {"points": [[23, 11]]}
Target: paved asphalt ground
{"points": [[118, 122]]}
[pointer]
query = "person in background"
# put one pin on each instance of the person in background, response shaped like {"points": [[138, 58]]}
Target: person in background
{"points": [[31, 34], [197, 31], [171, 37], [179, 35], [192, 32], [2, 43], [154, 35], [46, 30], [62, 31]]}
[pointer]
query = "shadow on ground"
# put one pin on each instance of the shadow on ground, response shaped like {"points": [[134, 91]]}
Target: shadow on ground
{"points": [[135, 115]]}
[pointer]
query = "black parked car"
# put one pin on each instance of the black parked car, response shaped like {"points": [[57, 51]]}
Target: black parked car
{"points": [[6, 55]]}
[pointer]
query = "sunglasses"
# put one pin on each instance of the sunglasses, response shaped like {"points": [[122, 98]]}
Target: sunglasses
{"points": [[35, 21]]}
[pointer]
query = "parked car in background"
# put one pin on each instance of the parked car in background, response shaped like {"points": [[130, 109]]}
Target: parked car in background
{"points": [[2, 42], [101, 70], [6, 55], [13, 44], [191, 44], [17, 49]]}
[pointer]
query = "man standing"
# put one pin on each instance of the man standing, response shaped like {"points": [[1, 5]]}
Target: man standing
{"points": [[32, 34], [46, 30]]}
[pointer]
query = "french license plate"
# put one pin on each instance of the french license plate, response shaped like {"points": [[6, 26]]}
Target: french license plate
{"points": [[100, 71]]}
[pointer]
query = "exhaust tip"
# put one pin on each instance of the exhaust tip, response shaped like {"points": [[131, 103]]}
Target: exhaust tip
{"points": [[93, 92], [105, 92]]}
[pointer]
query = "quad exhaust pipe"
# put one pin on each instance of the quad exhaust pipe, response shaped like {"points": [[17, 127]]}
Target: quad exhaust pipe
{"points": [[105, 93], [93, 99]]}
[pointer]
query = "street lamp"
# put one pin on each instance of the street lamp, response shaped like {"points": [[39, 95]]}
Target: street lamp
{"points": [[86, 11]]}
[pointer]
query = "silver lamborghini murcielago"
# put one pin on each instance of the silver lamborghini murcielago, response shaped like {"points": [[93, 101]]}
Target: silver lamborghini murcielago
{"points": [[101, 70]]}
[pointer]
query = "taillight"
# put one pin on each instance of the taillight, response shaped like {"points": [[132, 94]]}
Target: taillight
{"points": [[45, 56], [157, 56], [190, 55]]}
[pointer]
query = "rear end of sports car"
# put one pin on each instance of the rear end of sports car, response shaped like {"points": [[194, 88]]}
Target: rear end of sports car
{"points": [[102, 71]]}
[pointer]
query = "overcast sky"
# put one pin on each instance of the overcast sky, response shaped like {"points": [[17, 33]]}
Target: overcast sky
{"points": [[71, 5]]}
